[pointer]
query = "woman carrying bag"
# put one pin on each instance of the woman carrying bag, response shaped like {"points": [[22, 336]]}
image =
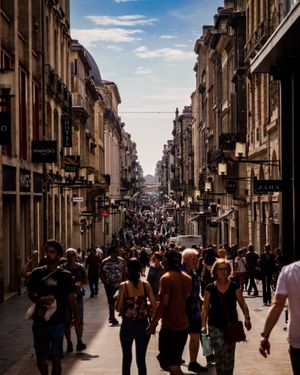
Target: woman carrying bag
{"points": [[132, 304], [219, 309]]}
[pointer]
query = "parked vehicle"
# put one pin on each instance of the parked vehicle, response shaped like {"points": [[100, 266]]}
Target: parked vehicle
{"points": [[187, 240]]}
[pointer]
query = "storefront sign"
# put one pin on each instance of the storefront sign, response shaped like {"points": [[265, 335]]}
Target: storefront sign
{"points": [[5, 128], [87, 213], [267, 186], [44, 151], [25, 181], [77, 199], [231, 186], [66, 126], [71, 163]]}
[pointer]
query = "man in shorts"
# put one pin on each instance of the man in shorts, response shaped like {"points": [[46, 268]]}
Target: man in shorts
{"points": [[174, 289], [49, 287], [112, 272]]}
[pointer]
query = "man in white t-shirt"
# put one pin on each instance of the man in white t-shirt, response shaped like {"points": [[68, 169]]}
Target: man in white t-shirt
{"points": [[288, 286]]}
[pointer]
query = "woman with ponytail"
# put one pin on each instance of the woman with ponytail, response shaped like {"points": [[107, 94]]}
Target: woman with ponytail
{"points": [[132, 304]]}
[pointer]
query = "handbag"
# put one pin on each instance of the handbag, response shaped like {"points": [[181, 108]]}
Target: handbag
{"points": [[206, 345], [234, 332]]}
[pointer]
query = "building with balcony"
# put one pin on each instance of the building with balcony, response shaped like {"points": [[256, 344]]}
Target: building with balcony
{"points": [[277, 60], [88, 147], [34, 85]]}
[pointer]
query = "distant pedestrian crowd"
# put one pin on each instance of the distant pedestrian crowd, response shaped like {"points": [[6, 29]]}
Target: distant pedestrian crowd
{"points": [[191, 293]]}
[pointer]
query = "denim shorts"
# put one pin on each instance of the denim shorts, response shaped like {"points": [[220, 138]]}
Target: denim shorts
{"points": [[48, 340]]}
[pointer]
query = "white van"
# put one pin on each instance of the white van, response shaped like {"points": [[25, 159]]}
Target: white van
{"points": [[187, 240]]}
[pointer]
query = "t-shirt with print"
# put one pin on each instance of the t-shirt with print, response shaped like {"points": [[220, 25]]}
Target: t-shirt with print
{"points": [[58, 284], [113, 269], [78, 275]]}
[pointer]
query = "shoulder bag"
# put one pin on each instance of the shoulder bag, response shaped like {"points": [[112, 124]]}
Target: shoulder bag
{"points": [[233, 331]]}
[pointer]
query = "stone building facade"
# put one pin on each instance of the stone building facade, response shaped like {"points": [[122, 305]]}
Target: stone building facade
{"points": [[235, 130], [37, 76], [60, 148]]}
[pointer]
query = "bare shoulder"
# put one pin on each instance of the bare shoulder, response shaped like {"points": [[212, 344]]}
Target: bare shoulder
{"points": [[186, 276]]}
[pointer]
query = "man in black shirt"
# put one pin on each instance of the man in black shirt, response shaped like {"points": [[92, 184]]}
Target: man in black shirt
{"points": [[251, 264], [49, 287]]}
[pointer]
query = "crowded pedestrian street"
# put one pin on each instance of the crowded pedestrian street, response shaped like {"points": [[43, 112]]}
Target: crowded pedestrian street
{"points": [[103, 353], [148, 188]]}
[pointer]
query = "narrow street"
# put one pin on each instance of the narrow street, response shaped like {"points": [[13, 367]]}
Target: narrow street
{"points": [[103, 353]]}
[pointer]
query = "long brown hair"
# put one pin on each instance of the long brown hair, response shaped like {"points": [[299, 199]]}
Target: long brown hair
{"points": [[134, 267]]}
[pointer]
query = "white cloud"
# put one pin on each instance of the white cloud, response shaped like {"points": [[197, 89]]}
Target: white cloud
{"points": [[114, 48], [124, 1], [168, 37], [89, 37], [142, 71], [180, 45], [129, 20], [169, 54]]}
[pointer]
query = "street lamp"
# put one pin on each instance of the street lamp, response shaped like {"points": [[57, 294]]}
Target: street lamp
{"points": [[91, 178], [208, 186], [241, 157], [83, 174], [222, 169], [240, 150]]}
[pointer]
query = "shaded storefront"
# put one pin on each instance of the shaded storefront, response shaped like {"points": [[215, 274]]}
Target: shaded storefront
{"points": [[280, 57]]}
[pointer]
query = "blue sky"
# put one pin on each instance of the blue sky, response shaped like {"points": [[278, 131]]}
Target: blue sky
{"points": [[147, 48]]}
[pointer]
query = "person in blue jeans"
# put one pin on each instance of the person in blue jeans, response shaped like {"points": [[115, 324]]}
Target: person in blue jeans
{"points": [[132, 304]]}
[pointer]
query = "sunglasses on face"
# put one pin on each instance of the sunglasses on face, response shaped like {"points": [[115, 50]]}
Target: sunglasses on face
{"points": [[222, 269], [71, 255]]}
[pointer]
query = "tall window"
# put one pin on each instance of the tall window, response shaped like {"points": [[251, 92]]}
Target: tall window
{"points": [[35, 112], [23, 115]]}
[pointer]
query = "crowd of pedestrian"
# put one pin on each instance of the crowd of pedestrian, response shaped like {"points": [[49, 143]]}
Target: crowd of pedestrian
{"points": [[149, 281]]}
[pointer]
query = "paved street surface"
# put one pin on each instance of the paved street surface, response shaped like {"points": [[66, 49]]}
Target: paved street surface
{"points": [[103, 353]]}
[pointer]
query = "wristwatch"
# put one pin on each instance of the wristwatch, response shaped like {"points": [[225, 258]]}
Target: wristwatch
{"points": [[264, 335]]}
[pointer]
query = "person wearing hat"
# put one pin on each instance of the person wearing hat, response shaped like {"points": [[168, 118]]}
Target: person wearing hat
{"points": [[174, 289]]}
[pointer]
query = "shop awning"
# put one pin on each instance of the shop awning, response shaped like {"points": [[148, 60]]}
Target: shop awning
{"points": [[223, 216], [198, 216]]}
